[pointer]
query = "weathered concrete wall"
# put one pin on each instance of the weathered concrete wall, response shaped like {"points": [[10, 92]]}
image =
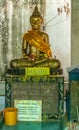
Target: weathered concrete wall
{"points": [[75, 33]]}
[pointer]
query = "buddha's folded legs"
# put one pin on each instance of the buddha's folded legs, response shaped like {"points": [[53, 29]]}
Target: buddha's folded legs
{"points": [[20, 63], [54, 63], [17, 63]]}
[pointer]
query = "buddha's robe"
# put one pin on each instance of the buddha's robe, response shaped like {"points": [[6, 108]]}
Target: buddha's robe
{"points": [[36, 40]]}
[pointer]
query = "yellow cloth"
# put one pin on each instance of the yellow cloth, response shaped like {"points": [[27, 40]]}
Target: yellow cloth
{"points": [[36, 40]]}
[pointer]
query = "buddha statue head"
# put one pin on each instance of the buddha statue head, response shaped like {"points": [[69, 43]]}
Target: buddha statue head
{"points": [[36, 19]]}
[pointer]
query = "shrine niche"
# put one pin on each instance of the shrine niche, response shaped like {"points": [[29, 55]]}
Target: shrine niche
{"points": [[14, 23]]}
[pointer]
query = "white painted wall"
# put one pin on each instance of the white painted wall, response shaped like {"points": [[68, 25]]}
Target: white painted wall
{"points": [[59, 30]]}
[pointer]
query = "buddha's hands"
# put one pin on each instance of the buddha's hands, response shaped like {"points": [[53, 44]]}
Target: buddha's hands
{"points": [[24, 56]]}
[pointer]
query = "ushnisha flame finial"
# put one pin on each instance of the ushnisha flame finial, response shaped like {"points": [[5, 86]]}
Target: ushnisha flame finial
{"points": [[36, 13]]}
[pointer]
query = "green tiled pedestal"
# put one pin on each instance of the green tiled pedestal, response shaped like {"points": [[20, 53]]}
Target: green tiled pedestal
{"points": [[49, 89]]}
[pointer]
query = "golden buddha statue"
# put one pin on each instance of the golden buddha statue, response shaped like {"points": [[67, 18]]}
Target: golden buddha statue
{"points": [[36, 49]]}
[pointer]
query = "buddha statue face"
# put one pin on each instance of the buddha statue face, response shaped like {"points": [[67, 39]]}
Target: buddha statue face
{"points": [[36, 23], [36, 19]]}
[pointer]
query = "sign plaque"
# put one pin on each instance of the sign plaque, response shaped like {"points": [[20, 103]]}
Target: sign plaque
{"points": [[37, 71], [28, 110]]}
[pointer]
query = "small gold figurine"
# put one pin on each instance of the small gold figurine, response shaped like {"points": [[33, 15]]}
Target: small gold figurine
{"points": [[36, 49]]}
